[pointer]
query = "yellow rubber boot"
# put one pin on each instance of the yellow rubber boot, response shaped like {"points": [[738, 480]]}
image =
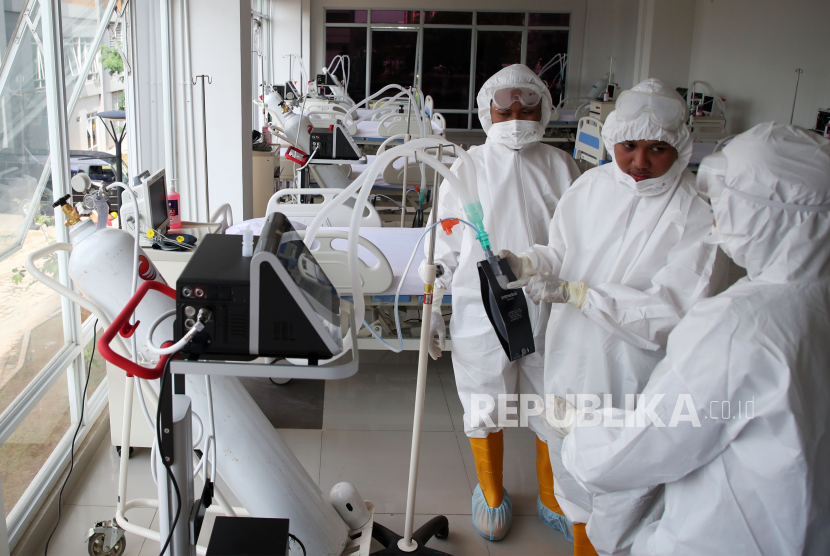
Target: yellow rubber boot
{"points": [[545, 474], [488, 454], [582, 545], [547, 507], [491, 505]]}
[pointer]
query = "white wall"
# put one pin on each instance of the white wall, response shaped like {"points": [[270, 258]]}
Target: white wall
{"points": [[291, 35], [220, 38], [664, 38], [749, 49], [610, 30]]}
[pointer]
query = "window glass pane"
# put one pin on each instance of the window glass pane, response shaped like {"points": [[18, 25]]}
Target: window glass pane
{"points": [[496, 50], [346, 16], [455, 121], [542, 47], [80, 21], [31, 327], [500, 18], [549, 20], [449, 18], [98, 370], [396, 16], [446, 67], [350, 41], [393, 58], [34, 440], [11, 14], [24, 141]]}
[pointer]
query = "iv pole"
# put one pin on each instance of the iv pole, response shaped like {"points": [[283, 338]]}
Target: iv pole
{"points": [[204, 140]]}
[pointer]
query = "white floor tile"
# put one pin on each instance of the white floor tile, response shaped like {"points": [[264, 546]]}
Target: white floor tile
{"points": [[453, 402], [70, 537], [306, 445], [99, 484], [530, 537], [376, 401], [520, 479], [377, 464], [463, 540]]}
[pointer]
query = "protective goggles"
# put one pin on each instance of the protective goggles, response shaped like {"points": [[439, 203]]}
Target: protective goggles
{"points": [[667, 112], [503, 99]]}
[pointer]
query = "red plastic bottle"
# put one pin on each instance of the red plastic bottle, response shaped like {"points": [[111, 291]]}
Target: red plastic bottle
{"points": [[173, 208]]}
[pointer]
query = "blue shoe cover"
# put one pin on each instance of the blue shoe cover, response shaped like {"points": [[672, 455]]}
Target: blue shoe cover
{"points": [[553, 519], [492, 523]]}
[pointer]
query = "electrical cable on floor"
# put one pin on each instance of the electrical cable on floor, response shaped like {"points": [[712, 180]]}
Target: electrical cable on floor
{"points": [[161, 456], [296, 540], [74, 437]]}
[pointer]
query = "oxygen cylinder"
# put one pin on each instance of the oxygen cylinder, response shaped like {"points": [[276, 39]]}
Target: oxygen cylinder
{"points": [[254, 461], [102, 268]]}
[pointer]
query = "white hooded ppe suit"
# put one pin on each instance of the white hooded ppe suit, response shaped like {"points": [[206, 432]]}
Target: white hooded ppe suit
{"points": [[519, 190], [746, 466], [639, 247]]}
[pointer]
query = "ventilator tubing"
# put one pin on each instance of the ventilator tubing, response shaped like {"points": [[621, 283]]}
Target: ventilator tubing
{"points": [[582, 545]]}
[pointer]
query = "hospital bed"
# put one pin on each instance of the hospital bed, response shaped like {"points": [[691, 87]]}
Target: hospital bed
{"points": [[589, 145]]}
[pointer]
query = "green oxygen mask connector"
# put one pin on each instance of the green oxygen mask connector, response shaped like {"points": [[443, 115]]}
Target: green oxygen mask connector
{"points": [[476, 216]]}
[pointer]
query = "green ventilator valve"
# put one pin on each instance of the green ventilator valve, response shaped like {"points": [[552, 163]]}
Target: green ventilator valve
{"points": [[476, 215]]}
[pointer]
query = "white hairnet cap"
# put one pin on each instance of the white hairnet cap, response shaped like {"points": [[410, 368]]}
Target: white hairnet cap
{"points": [[517, 75], [643, 128], [781, 163], [774, 215]]}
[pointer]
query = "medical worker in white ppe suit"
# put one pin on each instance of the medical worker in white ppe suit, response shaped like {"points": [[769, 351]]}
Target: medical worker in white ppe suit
{"points": [[520, 181], [625, 260], [746, 471]]}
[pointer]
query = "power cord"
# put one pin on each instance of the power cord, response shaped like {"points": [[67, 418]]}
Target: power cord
{"points": [[296, 540], [161, 455], [74, 437]]}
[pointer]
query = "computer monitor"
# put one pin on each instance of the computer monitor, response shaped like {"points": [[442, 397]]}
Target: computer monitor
{"points": [[151, 195]]}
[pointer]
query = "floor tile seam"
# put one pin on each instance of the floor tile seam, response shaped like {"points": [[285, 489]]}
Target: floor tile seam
{"points": [[461, 453]]}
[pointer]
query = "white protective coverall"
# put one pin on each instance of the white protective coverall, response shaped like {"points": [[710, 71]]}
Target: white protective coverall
{"points": [[751, 475], [519, 191], [639, 247]]}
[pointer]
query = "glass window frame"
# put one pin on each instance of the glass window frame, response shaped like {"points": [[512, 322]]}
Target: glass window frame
{"points": [[69, 358], [471, 111]]}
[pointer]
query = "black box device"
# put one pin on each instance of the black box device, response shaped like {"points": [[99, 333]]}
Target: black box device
{"points": [[333, 143], [276, 303]]}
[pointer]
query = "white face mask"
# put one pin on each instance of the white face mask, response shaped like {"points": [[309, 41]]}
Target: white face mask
{"points": [[651, 186], [516, 134]]}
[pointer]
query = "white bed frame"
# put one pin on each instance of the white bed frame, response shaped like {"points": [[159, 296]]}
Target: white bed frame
{"points": [[305, 213]]}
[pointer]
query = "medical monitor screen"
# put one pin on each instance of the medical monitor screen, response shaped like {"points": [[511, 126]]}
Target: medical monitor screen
{"points": [[280, 238], [157, 199]]}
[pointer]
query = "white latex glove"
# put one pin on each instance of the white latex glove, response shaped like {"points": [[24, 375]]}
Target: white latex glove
{"points": [[437, 326], [548, 287], [560, 417], [519, 264], [438, 332]]}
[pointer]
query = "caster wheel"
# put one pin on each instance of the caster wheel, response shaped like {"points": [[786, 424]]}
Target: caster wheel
{"points": [[443, 533], [279, 381], [118, 449], [95, 546]]}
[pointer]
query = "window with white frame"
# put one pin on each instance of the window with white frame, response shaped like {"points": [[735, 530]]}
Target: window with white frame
{"points": [[449, 54], [45, 343]]}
